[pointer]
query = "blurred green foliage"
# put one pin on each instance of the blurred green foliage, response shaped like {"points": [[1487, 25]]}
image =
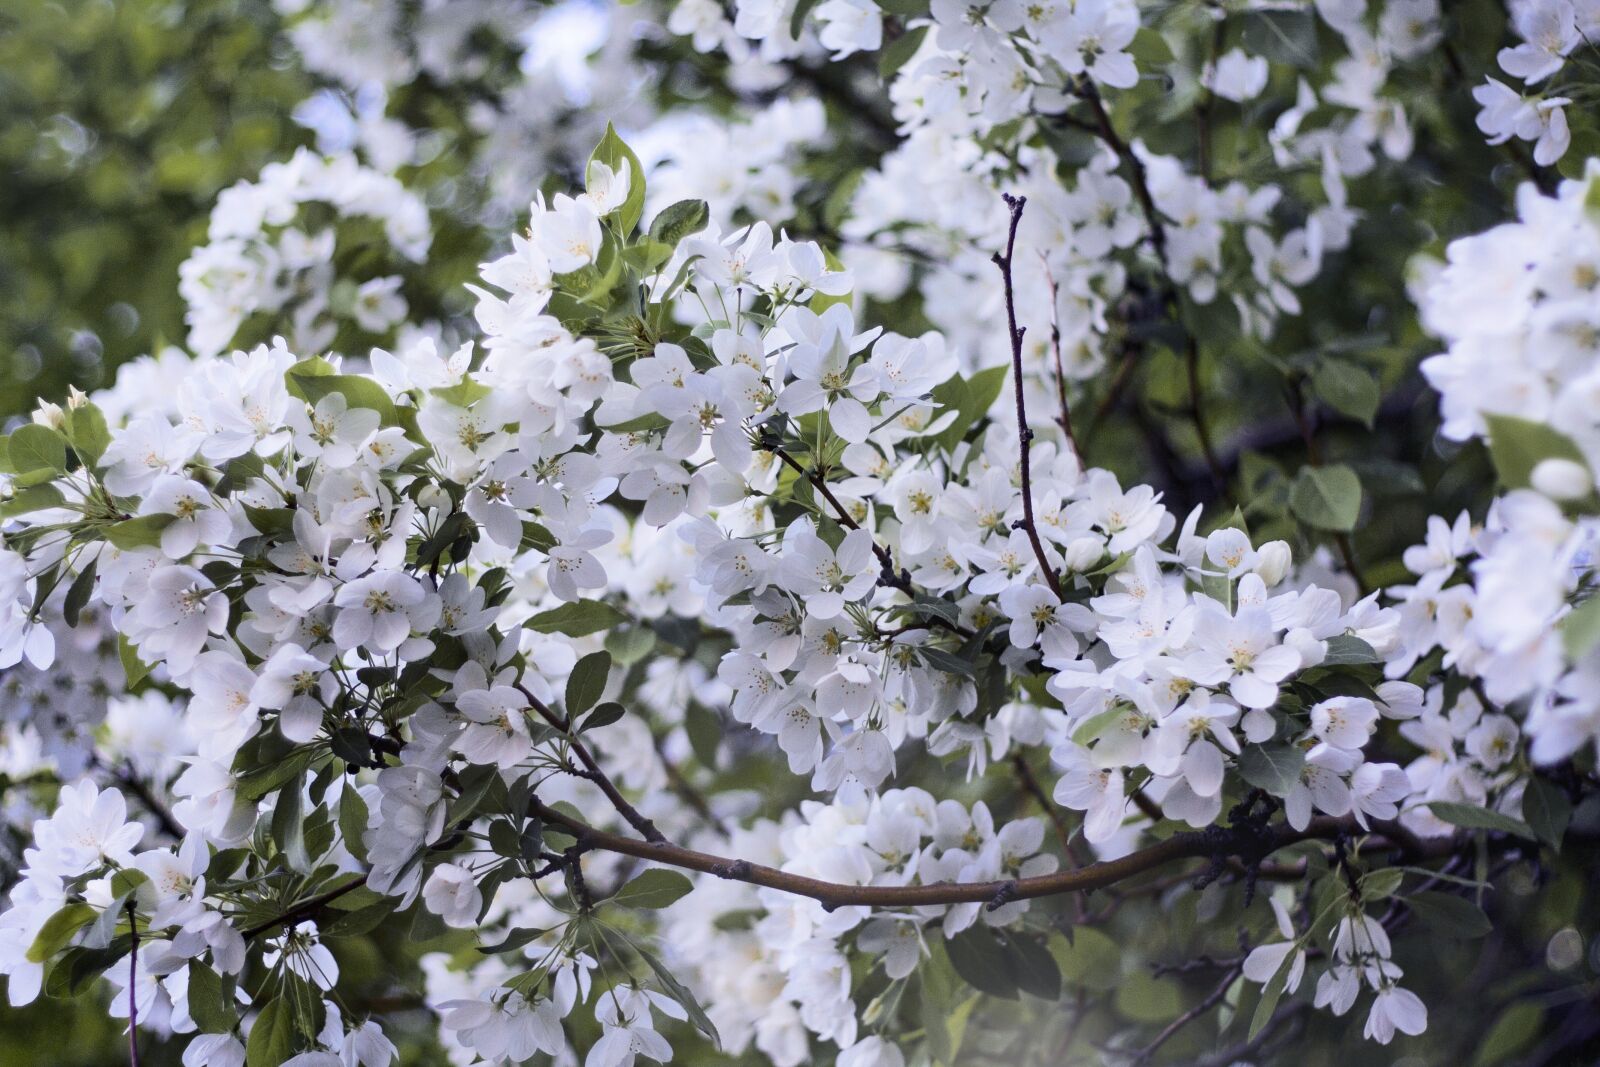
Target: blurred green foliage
{"points": [[123, 118]]}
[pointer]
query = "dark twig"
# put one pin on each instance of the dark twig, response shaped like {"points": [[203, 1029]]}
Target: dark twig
{"points": [[595, 775], [133, 979], [306, 908], [1210, 1001], [1024, 435]]}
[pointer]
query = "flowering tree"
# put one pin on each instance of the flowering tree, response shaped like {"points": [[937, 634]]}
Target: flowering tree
{"points": [[843, 624]]}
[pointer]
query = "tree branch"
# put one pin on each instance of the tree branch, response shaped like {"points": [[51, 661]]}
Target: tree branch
{"points": [[595, 775], [1024, 435], [1216, 843]]}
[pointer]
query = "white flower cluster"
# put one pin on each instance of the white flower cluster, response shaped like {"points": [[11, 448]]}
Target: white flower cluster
{"points": [[1551, 31], [274, 253]]}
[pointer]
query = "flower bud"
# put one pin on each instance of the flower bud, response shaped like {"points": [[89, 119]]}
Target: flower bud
{"points": [[51, 415], [1562, 479], [1273, 560], [433, 497], [1084, 553], [76, 397]]}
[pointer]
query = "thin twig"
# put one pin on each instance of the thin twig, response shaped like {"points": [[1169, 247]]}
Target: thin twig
{"points": [[133, 980], [1205, 1005], [1064, 417], [1030, 784], [595, 775], [306, 908], [1024, 435]]}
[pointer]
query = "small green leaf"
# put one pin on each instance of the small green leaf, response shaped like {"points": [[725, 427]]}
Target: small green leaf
{"points": [[900, 51], [1451, 915], [587, 682], [1275, 768], [79, 593], [611, 151], [272, 1037], [604, 715], [208, 1003], [134, 669], [977, 957], [578, 619], [30, 499], [947, 662], [308, 380], [1348, 649], [1348, 389], [1150, 49], [59, 929], [1516, 1028], [1547, 810], [1580, 629], [87, 432], [1327, 498], [1472, 817], [677, 221], [1519, 445], [680, 992], [33, 447], [654, 889], [141, 532]]}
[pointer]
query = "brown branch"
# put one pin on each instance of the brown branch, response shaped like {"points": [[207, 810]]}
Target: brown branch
{"points": [[1024, 435], [1215, 843], [595, 775]]}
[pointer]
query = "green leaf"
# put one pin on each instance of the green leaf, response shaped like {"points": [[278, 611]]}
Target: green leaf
{"points": [[1090, 729], [704, 728], [79, 593], [1348, 389], [134, 669], [1516, 1028], [631, 644], [34, 448], [59, 929], [797, 18], [604, 715], [1282, 37], [677, 221], [1348, 649], [308, 380], [900, 51], [586, 683], [274, 522], [653, 889], [87, 433], [980, 961], [971, 399], [363, 920], [611, 151], [1472, 817], [353, 820], [1328, 498], [1150, 49], [578, 619], [288, 825], [1036, 969], [947, 662], [31, 499], [1519, 445], [680, 992], [272, 1038], [141, 532], [208, 1003], [1275, 768], [1451, 915], [1580, 629], [1547, 810], [515, 938], [1089, 957]]}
